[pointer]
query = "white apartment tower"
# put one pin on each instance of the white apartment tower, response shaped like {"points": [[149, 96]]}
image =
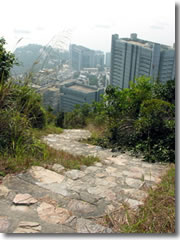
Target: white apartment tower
{"points": [[133, 57]]}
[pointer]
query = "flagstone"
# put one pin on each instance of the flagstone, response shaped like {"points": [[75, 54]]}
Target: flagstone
{"points": [[28, 227], [24, 199], [52, 214]]}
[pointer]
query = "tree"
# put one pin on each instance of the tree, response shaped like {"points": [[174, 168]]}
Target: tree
{"points": [[7, 59], [142, 118], [165, 91], [155, 129]]}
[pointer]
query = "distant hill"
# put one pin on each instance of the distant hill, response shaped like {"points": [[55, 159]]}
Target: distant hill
{"points": [[34, 57]]}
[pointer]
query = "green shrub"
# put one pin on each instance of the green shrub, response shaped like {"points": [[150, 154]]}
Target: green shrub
{"points": [[20, 110], [29, 103], [7, 60], [165, 91], [74, 119], [37, 116], [50, 117], [24, 100], [155, 118], [155, 129], [14, 132]]}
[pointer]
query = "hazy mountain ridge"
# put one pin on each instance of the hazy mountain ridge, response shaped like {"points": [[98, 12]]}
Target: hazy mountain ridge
{"points": [[34, 57]]}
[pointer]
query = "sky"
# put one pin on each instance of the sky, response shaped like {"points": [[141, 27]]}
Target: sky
{"points": [[89, 23]]}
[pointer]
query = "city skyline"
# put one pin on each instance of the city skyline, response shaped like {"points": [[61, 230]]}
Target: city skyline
{"points": [[87, 23]]}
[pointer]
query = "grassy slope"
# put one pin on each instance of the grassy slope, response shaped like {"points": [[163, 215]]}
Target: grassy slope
{"points": [[49, 156]]}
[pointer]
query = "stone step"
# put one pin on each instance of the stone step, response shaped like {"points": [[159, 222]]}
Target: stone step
{"points": [[57, 200]]}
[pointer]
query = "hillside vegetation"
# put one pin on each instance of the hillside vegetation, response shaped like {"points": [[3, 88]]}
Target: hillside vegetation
{"points": [[140, 119], [23, 121]]}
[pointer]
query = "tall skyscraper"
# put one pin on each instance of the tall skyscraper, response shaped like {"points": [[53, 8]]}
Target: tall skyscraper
{"points": [[98, 59], [82, 57], [133, 57], [108, 59]]}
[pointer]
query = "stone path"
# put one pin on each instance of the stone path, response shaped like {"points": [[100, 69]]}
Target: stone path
{"points": [[61, 201]]}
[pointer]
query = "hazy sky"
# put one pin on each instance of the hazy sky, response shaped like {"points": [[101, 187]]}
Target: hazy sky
{"points": [[90, 23]]}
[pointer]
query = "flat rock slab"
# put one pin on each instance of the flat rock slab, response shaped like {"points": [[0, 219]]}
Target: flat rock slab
{"points": [[28, 227], [3, 191], [58, 168], [108, 182], [136, 194], [119, 160], [134, 183], [134, 204], [45, 176], [97, 190], [87, 226], [91, 169], [24, 199], [81, 208], [4, 224], [75, 174], [52, 214], [56, 188]]}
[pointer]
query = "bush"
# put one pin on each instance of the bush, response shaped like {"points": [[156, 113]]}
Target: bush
{"points": [[20, 109], [141, 118], [29, 103], [155, 117], [75, 119], [24, 100], [14, 132], [137, 120], [50, 117], [165, 91], [155, 129], [7, 59]]}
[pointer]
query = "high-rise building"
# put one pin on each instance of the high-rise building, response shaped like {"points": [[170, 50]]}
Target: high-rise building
{"points": [[82, 57], [98, 59], [108, 59], [167, 68], [133, 57], [75, 57]]}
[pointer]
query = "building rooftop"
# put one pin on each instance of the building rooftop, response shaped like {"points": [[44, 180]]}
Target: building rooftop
{"points": [[80, 88], [143, 43], [138, 43]]}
